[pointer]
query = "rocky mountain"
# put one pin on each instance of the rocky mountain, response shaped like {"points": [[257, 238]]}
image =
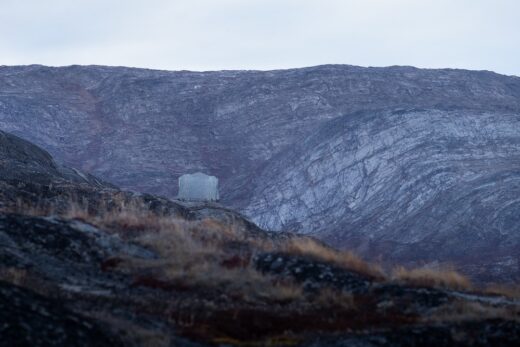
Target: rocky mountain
{"points": [[407, 164], [85, 264], [427, 185], [22, 161]]}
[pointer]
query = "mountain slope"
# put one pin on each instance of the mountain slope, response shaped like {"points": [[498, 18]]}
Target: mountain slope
{"points": [[141, 129], [426, 147], [21, 160], [135, 270], [408, 186]]}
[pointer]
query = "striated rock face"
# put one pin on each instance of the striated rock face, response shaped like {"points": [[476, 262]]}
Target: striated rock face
{"points": [[141, 129], [408, 185], [407, 164]]}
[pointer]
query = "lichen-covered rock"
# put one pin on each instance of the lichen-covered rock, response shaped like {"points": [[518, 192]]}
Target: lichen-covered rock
{"points": [[21, 160], [312, 273], [29, 320], [461, 334]]}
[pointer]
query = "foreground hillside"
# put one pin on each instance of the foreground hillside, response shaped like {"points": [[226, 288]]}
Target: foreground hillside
{"points": [[406, 164], [83, 263]]}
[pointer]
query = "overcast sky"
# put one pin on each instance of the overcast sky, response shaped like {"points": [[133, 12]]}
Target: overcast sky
{"points": [[262, 34]]}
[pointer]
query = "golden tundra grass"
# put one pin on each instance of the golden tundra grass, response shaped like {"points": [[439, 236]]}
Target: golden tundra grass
{"points": [[444, 278], [191, 254], [306, 246], [193, 250], [511, 291], [467, 311]]}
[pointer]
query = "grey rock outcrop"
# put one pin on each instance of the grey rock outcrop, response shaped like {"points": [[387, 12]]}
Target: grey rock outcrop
{"points": [[22, 161], [29, 319]]}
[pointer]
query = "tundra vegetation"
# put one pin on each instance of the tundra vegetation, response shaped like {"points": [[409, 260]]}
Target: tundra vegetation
{"points": [[220, 282]]}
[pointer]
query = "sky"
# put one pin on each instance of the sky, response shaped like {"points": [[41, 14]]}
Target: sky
{"points": [[262, 34]]}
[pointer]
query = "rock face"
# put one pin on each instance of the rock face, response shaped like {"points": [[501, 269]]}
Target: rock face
{"points": [[410, 185], [35, 320], [150, 275], [411, 164], [22, 161]]}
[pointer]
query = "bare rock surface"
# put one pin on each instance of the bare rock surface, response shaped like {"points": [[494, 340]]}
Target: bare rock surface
{"points": [[28, 319], [22, 161], [423, 186]]}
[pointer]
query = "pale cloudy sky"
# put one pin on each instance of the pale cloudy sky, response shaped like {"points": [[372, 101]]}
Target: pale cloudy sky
{"points": [[262, 34]]}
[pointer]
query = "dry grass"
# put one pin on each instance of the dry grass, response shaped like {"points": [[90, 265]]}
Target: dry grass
{"points": [[205, 274], [194, 251], [25, 208], [306, 246], [510, 291], [428, 277], [191, 255], [250, 285], [16, 276], [75, 210], [244, 284], [468, 311], [328, 297]]}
